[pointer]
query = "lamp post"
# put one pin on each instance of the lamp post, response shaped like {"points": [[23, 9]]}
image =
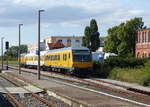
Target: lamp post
{"points": [[39, 18], [19, 47], [2, 38]]}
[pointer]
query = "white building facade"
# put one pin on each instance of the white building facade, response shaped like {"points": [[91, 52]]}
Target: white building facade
{"points": [[34, 47], [68, 41]]}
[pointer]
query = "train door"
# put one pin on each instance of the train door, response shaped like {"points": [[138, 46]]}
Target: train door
{"points": [[68, 59]]}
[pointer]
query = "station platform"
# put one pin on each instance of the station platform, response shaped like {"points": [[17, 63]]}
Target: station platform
{"points": [[70, 94], [19, 90]]}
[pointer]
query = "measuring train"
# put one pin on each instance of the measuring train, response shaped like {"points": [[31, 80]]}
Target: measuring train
{"points": [[74, 60]]}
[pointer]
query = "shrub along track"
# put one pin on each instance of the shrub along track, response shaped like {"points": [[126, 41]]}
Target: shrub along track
{"points": [[125, 94]]}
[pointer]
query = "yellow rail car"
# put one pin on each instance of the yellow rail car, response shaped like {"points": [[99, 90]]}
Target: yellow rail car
{"points": [[23, 60], [73, 60]]}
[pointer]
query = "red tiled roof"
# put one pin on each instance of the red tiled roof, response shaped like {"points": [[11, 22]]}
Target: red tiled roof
{"points": [[56, 45]]}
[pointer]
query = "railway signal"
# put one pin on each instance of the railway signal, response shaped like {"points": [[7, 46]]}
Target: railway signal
{"points": [[7, 47]]}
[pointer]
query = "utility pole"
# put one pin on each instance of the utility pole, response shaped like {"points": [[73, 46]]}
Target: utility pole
{"points": [[39, 18], [2, 58], [19, 47]]}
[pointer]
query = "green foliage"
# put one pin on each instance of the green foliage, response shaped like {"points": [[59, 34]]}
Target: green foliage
{"points": [[121, 62], [91, 36], [87, 37], [121, 38], [135, 75], [129, 69], [13, 51], [100, 70]]}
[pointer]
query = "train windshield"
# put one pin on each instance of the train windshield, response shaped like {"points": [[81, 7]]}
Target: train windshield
{"points": [[82, 56]]}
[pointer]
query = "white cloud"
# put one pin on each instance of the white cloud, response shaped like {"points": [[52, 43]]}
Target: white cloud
{"points": [[2, 10], [136, 12]]}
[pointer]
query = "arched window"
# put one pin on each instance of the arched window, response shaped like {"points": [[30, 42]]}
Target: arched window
{"points": [[143, 55], [143, 37], [139, 37], [149, 36], [138, 55]]}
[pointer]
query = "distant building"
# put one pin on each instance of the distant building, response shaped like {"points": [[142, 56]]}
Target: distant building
{"points": [[34, 46], [55, 45], [102, 40], [143, 43], [68, 41]]}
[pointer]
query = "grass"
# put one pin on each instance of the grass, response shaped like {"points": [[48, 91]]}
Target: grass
{"points": [[140, 75], [11, 61]]}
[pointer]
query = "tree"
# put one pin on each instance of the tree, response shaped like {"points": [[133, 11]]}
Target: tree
{"points": [[13, 50], [95, 41], [112, 41], [86, 38], [91, 36], [121, 38]]}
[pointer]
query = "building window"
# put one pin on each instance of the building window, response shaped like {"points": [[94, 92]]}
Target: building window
{"points": [[68, 40], [149, 36], [143, 37], [149, 55], [77, 41], [60, 40], [145, 55], [138, 38]]}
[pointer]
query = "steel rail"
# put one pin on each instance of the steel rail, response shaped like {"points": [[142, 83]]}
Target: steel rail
{"points": [[45, 101], [11, 98], [85, 82], [95, 91]]}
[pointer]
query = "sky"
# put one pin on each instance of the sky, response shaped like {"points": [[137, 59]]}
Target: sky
{"points": [[65, 17]]}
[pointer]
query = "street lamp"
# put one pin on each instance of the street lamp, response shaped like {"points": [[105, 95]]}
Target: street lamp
{"points": [[2, 38], [19, 47], [39, 18]]}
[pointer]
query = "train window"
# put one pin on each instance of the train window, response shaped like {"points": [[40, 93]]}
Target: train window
{"points": [[58, 57], [69, 56], [55, 57], [52, 57], [65, 57]]}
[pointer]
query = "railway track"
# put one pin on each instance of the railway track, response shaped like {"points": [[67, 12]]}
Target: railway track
{"points": [[115, 84], [136, 96], [44, 101], [10, 99], [126, 87]]}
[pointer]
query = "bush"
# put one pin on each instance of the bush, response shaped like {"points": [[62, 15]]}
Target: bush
{"points": [[128, 62], [100, 70], [135, 75]]}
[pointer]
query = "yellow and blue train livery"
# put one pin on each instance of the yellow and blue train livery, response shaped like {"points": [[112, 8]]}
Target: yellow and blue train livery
{"points": [[75, 60]]}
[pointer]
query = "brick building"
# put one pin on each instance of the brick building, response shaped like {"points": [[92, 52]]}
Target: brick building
{"points": [[143, 43]]}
